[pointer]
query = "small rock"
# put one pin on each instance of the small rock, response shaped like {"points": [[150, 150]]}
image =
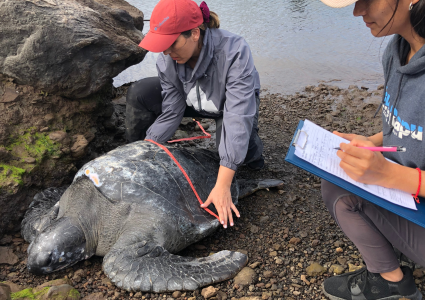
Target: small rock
{"points": [[303, 234], [277, 247], [96, 296], [29, 160], [44, 129], [221, 295], [79, 147], [254, 229], [294, 241], [63, 291], [303, 278], [315, 269], [418, 273], [264, 219], [352, 268], [314, 243], [14, 288], [245, 277], [338, 244], [4, 292], [342, 260], [273, 253], [6, 240], [180, 134], [336, 269], [62, 281], [242, 251], [57, 136], [339, 250], [107, 281], [296, 293], [254, 265], [176, 294], [266, 295], [7, 256], [268, 274], [209, 292]]}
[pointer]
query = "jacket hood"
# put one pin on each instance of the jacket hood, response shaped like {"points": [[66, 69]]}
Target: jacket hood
{"points": [[399, 50]]}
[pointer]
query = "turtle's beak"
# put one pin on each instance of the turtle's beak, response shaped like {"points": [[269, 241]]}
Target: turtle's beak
{"points": [[59, 246]]}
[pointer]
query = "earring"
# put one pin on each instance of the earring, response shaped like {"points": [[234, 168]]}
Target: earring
{"points": [[411, 6]]}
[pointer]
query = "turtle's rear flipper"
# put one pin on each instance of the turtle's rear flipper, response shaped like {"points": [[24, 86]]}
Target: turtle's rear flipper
{"points": [[41, 212], [150, 268], [250, 186]]}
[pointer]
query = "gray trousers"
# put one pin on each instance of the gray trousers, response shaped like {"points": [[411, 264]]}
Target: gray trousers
{"points": [[144, 105], [374, 230]]}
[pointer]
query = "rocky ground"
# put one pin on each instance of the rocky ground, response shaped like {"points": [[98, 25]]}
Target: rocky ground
{"points": [[292, 242]]}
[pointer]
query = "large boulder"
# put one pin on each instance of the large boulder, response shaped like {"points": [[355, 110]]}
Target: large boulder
{"points": [[70, 48], [57, 61]]}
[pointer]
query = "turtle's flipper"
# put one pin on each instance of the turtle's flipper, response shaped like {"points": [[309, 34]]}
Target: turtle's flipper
{"points": [[250, 186], [41, 212], [150, 268]]}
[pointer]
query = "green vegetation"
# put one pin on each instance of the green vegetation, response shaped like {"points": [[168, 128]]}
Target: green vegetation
{"points": [[36, 145], [14, 173]]}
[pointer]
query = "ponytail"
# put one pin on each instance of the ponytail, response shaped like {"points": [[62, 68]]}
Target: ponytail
{"points": [[214, 21], [417, 18]]}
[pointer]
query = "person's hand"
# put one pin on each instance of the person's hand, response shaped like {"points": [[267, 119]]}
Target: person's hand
{"points": [[363, 165], [221, 197], [351, 136]]}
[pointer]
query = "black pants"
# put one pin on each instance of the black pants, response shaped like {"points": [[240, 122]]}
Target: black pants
{"points": [[144, 105]]}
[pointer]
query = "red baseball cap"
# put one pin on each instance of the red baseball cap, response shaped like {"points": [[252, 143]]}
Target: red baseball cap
{"points": [[169, 19]]}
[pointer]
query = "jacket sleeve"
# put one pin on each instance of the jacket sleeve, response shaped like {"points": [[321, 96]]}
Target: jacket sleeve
{"points": [[173, 107], [239, 108]]}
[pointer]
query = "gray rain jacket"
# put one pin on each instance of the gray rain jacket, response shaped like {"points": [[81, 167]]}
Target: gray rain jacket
{"points": [[224, 83]]}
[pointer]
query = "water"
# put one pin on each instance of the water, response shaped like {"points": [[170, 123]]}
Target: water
{"points": [[294, 43]]}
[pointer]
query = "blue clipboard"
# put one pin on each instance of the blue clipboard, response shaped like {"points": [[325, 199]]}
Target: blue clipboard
{"points": [[415, 216]]}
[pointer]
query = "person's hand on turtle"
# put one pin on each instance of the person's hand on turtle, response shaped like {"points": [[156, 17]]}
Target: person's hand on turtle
{"points": [[222, 199]]}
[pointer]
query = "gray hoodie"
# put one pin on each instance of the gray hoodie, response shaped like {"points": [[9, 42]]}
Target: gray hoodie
{"points": [[404, 103], [227, 85]]}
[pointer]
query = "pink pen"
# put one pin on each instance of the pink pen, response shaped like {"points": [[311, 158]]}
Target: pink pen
{"points": [[383, 149]]}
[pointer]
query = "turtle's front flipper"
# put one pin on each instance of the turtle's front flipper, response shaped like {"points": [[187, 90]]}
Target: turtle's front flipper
{"points": [[150, 268], [250, 186], [41, 212]]}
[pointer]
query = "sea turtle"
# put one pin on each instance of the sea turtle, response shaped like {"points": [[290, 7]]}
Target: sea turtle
{"points": [[134, 207]]}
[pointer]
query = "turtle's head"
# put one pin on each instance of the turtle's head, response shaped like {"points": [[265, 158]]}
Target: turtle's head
{"points": [[59, 246]]}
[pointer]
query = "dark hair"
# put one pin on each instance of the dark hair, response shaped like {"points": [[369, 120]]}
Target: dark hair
{"points": [[417, 17], [213, 23]]}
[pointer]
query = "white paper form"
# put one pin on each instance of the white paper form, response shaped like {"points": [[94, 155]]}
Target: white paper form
{"points": [[319, 151]]}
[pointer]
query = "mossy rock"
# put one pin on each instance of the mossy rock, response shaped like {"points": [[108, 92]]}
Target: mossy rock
{"points": [[60, 292]]}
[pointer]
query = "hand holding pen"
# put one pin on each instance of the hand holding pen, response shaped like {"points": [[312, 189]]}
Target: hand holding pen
{"points": [[369, 167]]}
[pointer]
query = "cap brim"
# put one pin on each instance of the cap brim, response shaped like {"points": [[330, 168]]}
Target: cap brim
{"points": [[338, 3], [155, 42]]}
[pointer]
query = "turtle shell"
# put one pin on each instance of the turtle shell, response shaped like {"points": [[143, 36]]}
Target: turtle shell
{"points": [[143, 173]]}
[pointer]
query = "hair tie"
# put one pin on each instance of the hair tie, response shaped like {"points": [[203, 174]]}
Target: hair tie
{"points": [[205, 12]]}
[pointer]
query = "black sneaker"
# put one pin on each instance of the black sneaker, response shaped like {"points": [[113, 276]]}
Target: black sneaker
{"points": [[364, 285], [257, 164]]}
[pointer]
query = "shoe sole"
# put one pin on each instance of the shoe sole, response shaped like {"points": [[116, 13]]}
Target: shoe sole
{"points": [[416, 296]]}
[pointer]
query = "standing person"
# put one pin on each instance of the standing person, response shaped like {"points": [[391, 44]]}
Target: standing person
{"points": [[371, 228], [204, 72]]}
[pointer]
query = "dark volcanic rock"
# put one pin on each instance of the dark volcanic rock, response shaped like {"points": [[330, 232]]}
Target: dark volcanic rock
{"points": [[71, 48]]}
